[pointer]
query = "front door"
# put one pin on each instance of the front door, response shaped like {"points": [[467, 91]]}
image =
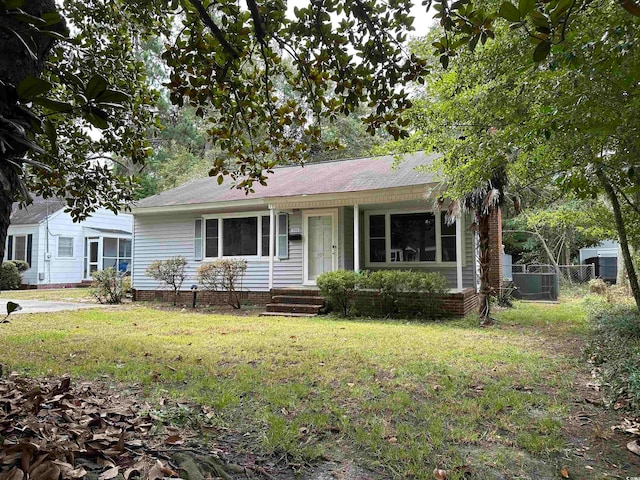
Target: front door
{"points": [[92, 257], [321, 246]]}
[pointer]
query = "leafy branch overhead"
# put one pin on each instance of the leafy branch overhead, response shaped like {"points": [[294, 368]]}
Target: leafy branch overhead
{"points": [[545, 23]]}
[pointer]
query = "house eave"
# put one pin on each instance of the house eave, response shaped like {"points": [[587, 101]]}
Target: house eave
{"points": [[198, 207]]}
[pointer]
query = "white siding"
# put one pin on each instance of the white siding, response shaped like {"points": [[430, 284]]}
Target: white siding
{"points": [[30, 277], [71, 270], [162, 236], [288, 273], [159, 237]]}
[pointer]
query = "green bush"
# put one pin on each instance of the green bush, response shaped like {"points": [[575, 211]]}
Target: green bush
{"points": [[107, 285], [224, 275], [390, 285], [10, 278], [21, 265], [390, 289], [338, 289], [171, 272], [614, 348]]}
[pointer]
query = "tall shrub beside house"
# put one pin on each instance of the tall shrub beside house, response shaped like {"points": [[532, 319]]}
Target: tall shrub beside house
{"points": [[224, 276], [170, 272]]}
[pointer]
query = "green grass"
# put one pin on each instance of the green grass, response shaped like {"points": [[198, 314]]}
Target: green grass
{"points": [[404, 397], [57, 294]]}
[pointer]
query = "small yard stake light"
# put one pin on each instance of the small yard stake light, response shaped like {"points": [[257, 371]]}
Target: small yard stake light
{"points": [[194, 289]]}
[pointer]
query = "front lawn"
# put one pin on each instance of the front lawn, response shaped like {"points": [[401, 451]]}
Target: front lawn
{"points": [[50, 294], [401, 398]]}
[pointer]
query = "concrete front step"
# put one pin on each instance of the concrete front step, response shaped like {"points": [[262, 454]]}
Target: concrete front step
{"points": [[296, 292], [297, 299], [285, 314], [293, 308]]}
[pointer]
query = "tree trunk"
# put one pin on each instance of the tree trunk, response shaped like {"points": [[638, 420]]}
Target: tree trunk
{"points": [[622, 235], [484, 262], [15, 65]]}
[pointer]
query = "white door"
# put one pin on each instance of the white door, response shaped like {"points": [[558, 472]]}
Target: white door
{"points": [[93, 257], [321, 246]]}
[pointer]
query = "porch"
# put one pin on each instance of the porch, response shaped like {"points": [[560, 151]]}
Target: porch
{"points": [[390, 229]]}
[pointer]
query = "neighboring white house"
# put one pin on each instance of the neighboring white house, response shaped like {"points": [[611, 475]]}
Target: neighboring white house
{"points": [[62, 252], [357, 214]]}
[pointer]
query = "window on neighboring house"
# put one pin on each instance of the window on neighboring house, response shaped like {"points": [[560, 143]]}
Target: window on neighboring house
{"points": [[65, 247], [410, 238], [116, 253], [20, 247]]}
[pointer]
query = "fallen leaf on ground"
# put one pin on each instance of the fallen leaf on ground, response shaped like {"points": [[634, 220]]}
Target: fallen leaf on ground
{"points": [[634, 447], [564, 471]]}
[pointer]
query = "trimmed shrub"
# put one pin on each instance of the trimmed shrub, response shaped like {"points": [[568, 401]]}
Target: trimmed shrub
{"points": [[10, 278], [338, 288], [21, 265], [171, 272], [390, 286], [107, 285], [614, 349], [397, 293], [223, 275]]}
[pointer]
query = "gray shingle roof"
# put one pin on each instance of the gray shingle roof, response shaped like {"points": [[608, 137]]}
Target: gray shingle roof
{"points": [[360, 174], [37, 211]]}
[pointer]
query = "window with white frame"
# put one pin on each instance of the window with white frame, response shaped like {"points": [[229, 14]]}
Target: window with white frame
{"points": [[246, 236], [20, 247], [65, 247], [409, 237], [116, 253]]}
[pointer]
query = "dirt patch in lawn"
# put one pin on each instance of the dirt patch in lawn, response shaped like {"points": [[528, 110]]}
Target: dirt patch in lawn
{"points": [[595, 448]]}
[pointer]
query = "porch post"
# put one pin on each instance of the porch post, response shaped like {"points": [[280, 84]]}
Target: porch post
{"points": [[459, 252], [356, 238], [272, 243]]}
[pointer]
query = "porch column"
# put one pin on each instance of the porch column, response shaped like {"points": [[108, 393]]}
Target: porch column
{"points": [[272, 243], [459, 252], [356, 238]]}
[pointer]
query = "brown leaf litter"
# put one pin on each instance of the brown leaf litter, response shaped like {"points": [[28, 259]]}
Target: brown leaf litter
{"points": [[51, 429]]}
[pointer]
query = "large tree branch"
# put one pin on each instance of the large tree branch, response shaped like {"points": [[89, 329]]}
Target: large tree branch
{"points": [[630, 6], [208, 21]]}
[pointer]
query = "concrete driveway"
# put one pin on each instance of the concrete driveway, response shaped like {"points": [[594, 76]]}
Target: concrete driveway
{"points": [[44, 306]]}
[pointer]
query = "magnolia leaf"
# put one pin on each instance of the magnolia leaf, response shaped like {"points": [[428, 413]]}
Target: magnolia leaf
{"points": [[96, 86], [13, 307], [509, 12], [541, 51], [112, 96], [53, 105], [31, 87], [525, 6], [634, 447]]}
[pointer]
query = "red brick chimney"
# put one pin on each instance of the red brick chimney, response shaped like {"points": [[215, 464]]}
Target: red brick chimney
{"points": [[495, 245]]}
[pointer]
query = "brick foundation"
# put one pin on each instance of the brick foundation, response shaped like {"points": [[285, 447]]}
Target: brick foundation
{"points": [[185, 297], [457, 304]]}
